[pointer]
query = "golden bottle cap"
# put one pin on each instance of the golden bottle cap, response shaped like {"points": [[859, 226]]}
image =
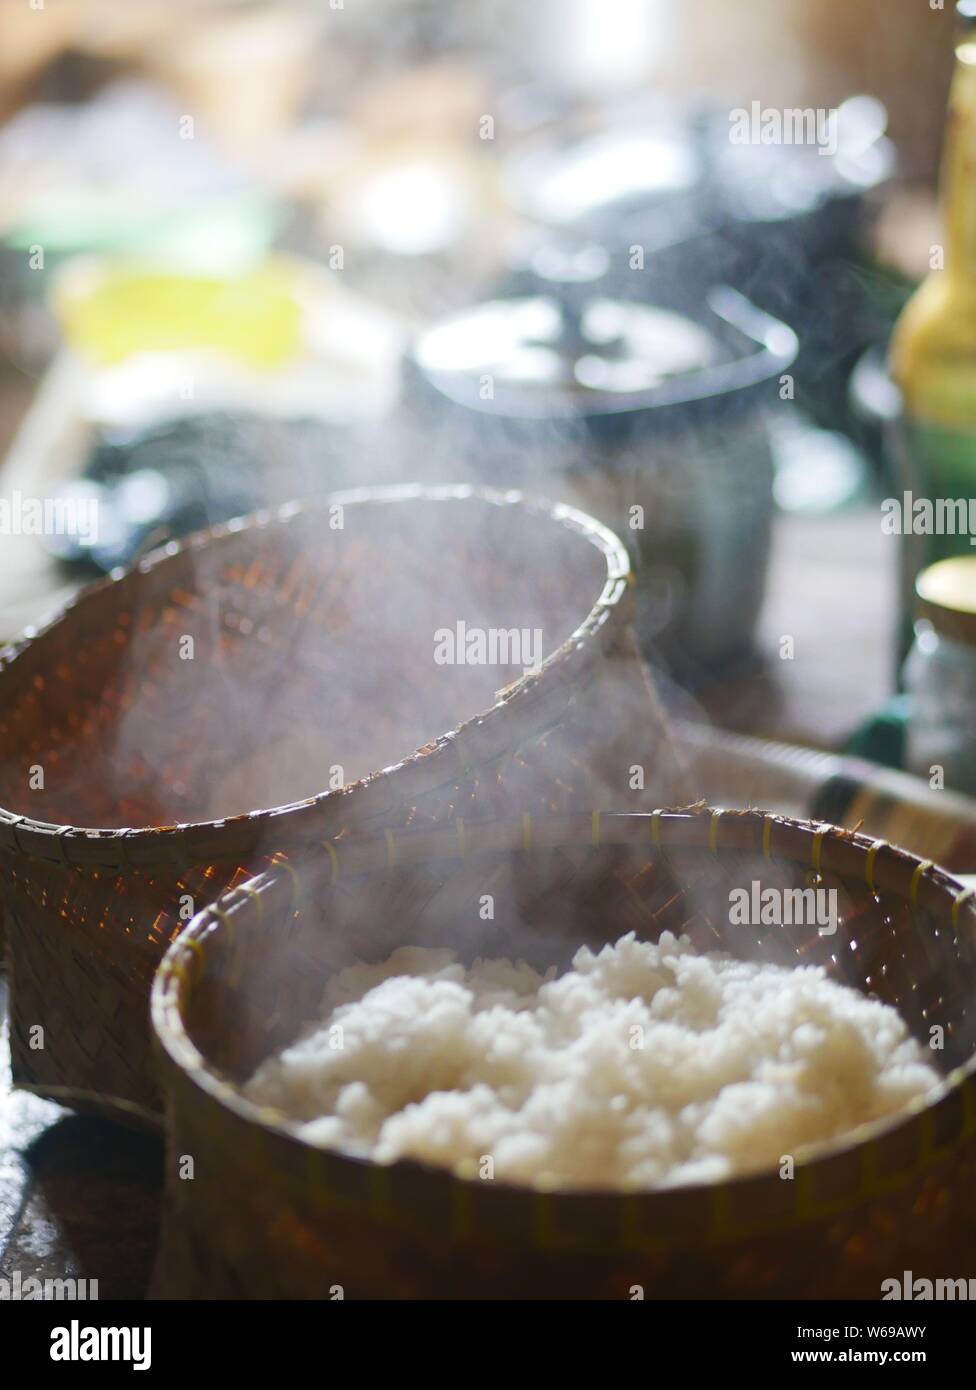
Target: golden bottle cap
{"points": [[946, 597]]}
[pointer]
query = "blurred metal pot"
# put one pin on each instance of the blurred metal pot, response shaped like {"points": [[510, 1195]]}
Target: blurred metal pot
{"points": [[650, 416]]}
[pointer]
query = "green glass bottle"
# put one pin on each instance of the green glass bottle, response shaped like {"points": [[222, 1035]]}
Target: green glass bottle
{"points": [[933, 356]]}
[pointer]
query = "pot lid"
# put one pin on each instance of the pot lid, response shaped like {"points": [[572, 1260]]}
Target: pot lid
{"points": [[618, 168], [566, 349], [536, 350], [696, 174], [770, 182]]}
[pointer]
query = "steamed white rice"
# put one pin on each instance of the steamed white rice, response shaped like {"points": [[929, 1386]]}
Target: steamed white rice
{"points": [[641, 1066]]}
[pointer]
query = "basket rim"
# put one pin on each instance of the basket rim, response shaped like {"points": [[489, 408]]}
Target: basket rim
{"points": [[714, 829], [143, 845]]}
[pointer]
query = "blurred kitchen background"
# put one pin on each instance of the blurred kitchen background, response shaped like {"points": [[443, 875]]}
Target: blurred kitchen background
{"points": [[254, 251]]}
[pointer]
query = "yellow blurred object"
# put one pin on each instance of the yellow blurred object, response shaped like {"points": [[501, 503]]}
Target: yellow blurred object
{"points": [[933, 347], [946, 596], [111, 313], [933, 350]]}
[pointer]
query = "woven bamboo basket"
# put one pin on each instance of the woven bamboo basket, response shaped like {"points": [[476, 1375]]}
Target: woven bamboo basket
{"points": [[266, 1215], [261, 687]]}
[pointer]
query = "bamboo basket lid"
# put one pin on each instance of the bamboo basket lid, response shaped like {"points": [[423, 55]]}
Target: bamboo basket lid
{"points": [[269, 684]]}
